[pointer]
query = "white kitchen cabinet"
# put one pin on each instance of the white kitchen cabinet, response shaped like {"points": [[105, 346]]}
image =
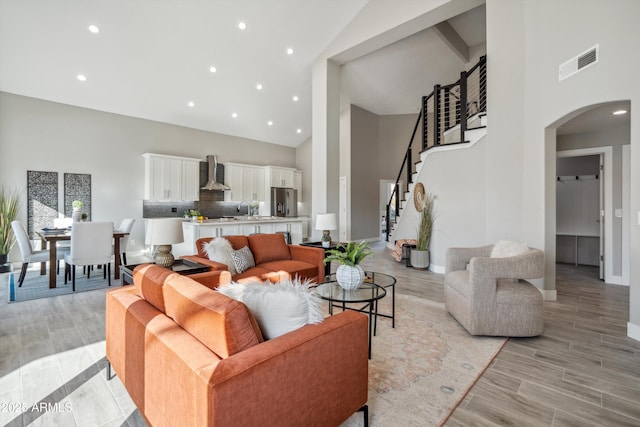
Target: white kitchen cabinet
{"points": [[297, 183], [171, 178], [293, 228], [280, 177], [257, 228], [254, 183], [190, 180], [246, 182]]}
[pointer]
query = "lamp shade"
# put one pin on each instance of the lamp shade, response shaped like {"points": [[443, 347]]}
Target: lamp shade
{"points": [[326, 222], [164, 231]]}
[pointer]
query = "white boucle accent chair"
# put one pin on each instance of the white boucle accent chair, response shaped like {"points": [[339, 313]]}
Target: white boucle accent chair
{"points": [[488, 296]]}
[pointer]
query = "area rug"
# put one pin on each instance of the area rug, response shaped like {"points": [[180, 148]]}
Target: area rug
{"points": [[36, 286], [422, 369]]}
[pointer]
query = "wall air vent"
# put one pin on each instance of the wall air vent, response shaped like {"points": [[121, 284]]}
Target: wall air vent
{"points": [[579, 63]]}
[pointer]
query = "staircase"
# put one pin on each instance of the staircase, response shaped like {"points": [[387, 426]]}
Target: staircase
{"points": [[454, 114]]}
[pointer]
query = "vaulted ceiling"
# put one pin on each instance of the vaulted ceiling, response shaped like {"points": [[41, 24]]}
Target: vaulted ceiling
{"points": [[154, 60]]}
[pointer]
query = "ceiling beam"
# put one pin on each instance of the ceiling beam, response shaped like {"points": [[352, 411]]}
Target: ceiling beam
{"points": [[452, 39]]}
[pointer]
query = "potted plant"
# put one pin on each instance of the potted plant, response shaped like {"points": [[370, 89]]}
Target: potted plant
{"points": [[420, 255], [76, 206], [8, 212], [349, 273]]}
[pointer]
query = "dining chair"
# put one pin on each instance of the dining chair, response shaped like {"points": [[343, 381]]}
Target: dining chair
{"points": [[28, 253], [90, 245], [125, 226]]}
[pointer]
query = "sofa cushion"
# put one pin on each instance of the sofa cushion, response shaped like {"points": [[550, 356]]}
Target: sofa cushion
{"points": [[279, 308], [220, 250], [268, 247], [257, 274], [508, 248], [237, 242], [222, 324], [295, 268], [148, 280], [243, 259]]}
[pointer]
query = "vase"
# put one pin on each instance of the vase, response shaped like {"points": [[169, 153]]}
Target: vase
{"points": [[419, 259], [76, 215], [349, 277]]}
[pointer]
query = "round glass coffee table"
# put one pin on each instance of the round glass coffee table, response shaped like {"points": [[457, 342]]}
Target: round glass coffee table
{"points": [[366, 296]]}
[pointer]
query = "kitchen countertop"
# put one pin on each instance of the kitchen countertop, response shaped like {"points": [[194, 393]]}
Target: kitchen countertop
{"points": [[245, 220]]}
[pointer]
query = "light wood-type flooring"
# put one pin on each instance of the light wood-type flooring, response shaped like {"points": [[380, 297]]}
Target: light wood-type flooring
{"points": [[582, 371]]}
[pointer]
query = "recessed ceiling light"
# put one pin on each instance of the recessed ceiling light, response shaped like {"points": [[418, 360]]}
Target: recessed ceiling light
{"points": [[259, 86], [191, 104], [213, 69], [82, 77], [234, 115], [94, 29], [295, 98], [270, 123], [619, 112], [289, 51], [299, 131], [242, 25]]}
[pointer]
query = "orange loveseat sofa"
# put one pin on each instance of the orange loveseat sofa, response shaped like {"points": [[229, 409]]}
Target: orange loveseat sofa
{"points": [[274, 259], [190, 356]]}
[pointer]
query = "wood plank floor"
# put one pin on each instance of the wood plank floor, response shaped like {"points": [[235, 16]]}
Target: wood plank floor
{"points": [[582, 371]]}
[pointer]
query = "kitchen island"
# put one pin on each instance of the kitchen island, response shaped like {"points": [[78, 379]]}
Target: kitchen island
{"points": [[239, 225]]}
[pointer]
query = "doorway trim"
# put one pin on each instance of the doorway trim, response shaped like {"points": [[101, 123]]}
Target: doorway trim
{"points": [[607, 153]]}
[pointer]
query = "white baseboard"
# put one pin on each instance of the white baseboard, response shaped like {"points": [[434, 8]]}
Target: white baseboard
{"points": [[616, 280], [436, 268], [633, 331], [549, 295]]}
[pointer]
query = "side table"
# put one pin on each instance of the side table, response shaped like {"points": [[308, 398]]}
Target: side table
{"points": [[180, 266]]}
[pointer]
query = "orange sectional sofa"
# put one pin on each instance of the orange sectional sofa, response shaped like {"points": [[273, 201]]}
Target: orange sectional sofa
{"points": [[274, 259], [190, 356]]}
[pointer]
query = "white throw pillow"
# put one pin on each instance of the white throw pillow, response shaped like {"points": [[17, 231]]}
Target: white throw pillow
{"points": [[243, 259], [219, 250], [279, 308], [508, 248]]}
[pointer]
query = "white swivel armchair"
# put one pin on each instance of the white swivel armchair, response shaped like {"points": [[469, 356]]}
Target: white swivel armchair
{"points": [[90, 245], [487, 295], [28, 253]]}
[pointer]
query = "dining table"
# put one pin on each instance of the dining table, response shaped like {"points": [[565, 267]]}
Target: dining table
{"points": [[49, 240]]}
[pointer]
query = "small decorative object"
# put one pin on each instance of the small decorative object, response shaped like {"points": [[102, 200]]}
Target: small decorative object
{"points": [[349, 273], [326, 222], [8, 212], [420, 255], [77, 206], [418, 197], [84, 216], [162, 233]]}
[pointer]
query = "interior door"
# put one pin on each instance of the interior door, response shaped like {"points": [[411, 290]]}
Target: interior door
{"points": [[601, 217]]}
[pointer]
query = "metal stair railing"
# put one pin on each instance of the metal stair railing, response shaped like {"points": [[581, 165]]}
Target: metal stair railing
{"points": [[444, 111]]}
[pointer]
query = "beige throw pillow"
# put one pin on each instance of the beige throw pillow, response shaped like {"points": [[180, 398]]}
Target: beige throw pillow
{"points": [[508, 248], [278, 308], [219, 250]]}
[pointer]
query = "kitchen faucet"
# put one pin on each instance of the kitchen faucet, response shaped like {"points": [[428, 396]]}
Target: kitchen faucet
{"points": [[248, 207]]}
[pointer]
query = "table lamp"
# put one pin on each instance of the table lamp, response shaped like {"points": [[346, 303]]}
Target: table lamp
{"points": [[326, 222], [163, 232]]}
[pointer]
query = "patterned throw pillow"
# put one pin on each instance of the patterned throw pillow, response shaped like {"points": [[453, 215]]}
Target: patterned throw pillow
{"points": [[243, 259]]}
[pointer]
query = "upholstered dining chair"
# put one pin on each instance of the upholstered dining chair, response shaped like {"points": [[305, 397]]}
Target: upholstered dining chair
{"points": [[125, 226], [90, 245], [487, 294], [28, 253]]}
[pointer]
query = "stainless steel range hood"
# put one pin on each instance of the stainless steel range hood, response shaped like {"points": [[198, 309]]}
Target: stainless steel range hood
{"points": [[212, 184]]}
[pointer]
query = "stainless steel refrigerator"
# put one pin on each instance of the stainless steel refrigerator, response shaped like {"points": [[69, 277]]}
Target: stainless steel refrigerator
{"points": [[284, 202]]}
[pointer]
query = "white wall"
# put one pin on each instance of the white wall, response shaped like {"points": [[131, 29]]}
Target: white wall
{"points": [[526, 41], [304, 163], [46, 136]]}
